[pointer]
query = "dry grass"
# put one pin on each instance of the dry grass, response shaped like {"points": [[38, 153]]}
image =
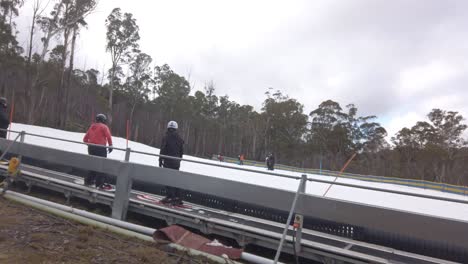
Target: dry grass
{"points": [[31, 236]]}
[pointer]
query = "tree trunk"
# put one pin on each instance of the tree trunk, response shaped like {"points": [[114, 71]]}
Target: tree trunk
{"points": [[220, 141], [187, 129], [29, 107], [254, 143], [197, 141], [443, 171], [204, 143], [60, 95], [111, 93], [133, 110], [69, 75], [137, 128]]}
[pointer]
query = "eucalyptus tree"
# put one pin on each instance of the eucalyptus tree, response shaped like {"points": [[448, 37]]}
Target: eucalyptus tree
{"points": [[122, 39], [74, 20], [138, 85]]}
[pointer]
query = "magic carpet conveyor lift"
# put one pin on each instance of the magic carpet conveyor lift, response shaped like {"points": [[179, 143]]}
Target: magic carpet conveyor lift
{"points": [[332, 229]]}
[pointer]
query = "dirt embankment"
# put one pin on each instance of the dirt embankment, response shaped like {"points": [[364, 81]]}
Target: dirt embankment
{"points": [[31, 236]]}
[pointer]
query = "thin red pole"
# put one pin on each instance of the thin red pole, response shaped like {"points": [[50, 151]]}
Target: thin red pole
{"points": [[347, 163], [11, 117], [341, 172]]}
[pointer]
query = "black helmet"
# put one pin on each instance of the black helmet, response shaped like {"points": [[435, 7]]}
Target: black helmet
{"points": [[101, 118], [3, 101]]}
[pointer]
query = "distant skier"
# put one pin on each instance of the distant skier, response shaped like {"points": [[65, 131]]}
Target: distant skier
{"points": [[241, 159], [270, 161], [4, 121], [172, 145], [98, 134]]}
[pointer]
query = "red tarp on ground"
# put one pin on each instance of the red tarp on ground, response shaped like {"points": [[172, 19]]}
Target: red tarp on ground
{"points": [[179, 235]]}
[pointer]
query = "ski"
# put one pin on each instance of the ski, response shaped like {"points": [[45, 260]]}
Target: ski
{"points": [[81, 182], [111, 189], [153, 199]]}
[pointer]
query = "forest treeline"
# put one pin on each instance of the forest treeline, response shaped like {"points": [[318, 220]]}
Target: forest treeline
{"points": [[49, 91]]}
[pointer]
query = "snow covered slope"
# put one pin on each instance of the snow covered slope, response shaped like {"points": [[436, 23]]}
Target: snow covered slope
{"points": [[407, 203]]}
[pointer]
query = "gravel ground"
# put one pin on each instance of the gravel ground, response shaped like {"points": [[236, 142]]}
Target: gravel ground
{"points": [[31, 236]]}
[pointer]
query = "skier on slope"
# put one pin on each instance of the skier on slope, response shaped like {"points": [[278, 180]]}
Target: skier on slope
{"points": [[241, 159], [266, 161], [4, 121], [98, 134], [172, 145], [270, 160]]}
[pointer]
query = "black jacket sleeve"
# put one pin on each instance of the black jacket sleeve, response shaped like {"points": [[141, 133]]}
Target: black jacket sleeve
{"points": [[4, 121], [182, 148], [163, 150]]}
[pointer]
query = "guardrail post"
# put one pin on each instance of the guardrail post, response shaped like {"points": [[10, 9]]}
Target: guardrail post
{"points": [[300, 218], [22, 136], [127, 154], [122, 192], [5, 151], [291, 212]]}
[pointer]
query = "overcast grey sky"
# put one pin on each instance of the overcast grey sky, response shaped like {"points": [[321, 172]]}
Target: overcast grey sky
{"points": [[395, 59]]}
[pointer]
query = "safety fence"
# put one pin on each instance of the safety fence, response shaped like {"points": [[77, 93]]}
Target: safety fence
{"points": [[444, 187]]}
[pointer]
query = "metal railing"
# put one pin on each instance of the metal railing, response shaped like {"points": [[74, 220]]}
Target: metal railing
{"points": [[155, 155], [129, 151], [421, 184]]}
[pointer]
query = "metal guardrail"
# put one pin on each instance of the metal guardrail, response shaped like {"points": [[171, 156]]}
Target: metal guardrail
{"points": [[444, 187], [129, 151], [155, 155]]}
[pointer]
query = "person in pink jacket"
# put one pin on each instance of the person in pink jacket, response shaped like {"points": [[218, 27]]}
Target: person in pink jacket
{"points": [[98, 134]]}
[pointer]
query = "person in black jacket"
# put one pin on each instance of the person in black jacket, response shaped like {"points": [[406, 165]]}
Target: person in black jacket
{"points": [[4, 121], [270, 161], [172, 145]]}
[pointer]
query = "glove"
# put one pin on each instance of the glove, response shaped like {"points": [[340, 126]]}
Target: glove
{"points": [[109, 150]]}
